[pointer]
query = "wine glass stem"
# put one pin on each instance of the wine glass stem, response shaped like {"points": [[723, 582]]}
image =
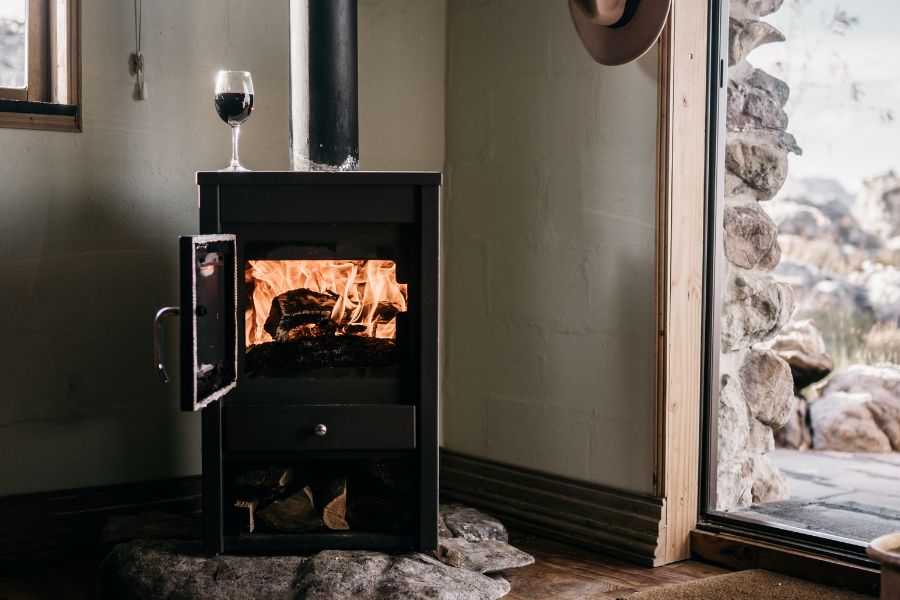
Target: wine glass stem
{"points": [[235, 134]]}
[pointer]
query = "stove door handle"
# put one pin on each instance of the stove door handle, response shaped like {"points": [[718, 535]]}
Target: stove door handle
{"points": [[161, 314]]}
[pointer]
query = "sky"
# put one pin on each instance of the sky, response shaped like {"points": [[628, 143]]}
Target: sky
{"points": [[845, 138], [12, 9]]}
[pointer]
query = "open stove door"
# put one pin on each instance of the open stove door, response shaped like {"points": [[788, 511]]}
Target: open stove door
{"points": [[209, 327]]}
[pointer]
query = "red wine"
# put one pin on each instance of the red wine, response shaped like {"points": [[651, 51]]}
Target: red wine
{"points": [[234, 108]]}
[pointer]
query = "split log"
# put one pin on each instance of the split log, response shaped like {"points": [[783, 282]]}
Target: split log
{"points": [[294, 312], [250, 506], [269, 478], [331, 498], [284, 358], [294, 514]]}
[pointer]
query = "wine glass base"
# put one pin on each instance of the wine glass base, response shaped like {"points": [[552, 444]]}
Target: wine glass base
{"points": [[235, 168]]}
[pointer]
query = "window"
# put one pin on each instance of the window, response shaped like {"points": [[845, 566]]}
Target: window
{"points": [[39, 64]]}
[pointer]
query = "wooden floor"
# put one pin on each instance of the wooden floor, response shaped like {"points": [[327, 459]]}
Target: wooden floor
{"points": [[565, 573], [560, 572]]}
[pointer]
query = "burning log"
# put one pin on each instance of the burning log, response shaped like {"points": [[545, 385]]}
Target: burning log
{"points": [[294, 514], [319, 352], [331, 497], [299, 313]]}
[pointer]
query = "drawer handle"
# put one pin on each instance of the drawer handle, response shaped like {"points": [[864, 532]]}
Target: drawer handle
{"points": [[320, 430]]}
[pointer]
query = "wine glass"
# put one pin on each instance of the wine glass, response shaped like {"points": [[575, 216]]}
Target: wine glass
{"points": [[234, 103]]}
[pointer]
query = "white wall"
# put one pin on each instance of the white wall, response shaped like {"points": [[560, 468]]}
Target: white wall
{"points": [[88, 222], [549, 229]]}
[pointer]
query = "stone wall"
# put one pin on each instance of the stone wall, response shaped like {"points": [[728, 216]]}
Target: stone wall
{"points": [[756, 394]]}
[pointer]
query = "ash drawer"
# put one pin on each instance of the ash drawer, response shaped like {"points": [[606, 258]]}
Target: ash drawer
{"points": [[320, 427]]}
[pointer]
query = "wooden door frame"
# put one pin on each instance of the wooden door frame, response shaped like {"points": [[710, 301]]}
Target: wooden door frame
{"points": [[690, 72]]}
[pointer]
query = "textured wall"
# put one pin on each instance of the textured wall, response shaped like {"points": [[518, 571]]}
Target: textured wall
{"points": [[88, 222], [757, 391], [549, 237]]}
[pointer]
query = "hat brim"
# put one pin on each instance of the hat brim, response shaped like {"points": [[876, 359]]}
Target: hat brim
{"points": [[613, 46]]}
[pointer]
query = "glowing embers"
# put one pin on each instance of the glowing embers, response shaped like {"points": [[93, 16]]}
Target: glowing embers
{"points": [[321, 313]]}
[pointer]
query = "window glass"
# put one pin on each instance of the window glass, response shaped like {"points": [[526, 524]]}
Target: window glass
{"points": [[12, 43]]}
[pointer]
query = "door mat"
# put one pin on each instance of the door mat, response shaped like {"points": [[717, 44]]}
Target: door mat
{"points": [[755, 584]]}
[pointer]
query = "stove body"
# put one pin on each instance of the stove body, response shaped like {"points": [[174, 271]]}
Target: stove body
{"points": [[350, 392]]}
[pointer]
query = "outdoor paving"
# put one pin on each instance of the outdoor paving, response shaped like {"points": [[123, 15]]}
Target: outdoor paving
{"points": [[851, 496]]}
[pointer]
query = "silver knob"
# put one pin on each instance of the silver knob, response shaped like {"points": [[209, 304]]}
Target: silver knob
{"points": [[320, 430]]}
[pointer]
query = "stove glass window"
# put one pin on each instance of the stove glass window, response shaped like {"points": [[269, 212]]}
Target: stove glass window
{"points": [[321, 313]]}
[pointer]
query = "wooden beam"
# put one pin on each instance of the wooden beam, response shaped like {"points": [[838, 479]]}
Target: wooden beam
{"points": [[680, 275]]}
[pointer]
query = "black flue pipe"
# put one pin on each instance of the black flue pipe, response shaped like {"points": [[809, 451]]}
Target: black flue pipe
{"points": [[324, 83]]}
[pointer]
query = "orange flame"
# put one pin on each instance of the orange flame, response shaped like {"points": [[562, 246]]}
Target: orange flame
{"points": [[366, 294]]}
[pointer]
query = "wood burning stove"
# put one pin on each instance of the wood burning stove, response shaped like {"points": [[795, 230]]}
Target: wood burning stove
{"points": [[309, 343]]}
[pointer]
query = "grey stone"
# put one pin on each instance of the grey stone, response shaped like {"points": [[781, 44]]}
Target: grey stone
{"points": [[769, 483], [752, 107], [768, 387], [877, 207], [362, 575], [472, 525], [882, 287], [754, 309], [734, 467], [801, 345], [775, 88], [751, 237], [843, 421], [880, 385], [761, 165], [149, 570], [744, 36], [796, 433], [837, 301], [486, 556]]}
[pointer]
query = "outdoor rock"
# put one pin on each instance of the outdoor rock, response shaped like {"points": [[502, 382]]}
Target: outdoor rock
{"points": [[880, 386], [877, 206], [796, 433], [762, 166], [747, 35], [486, 556], [472, 525], [755, 308], [751, 237], [843, 421], [769, 483], [362, 575], [734, 473], [802, 346]]}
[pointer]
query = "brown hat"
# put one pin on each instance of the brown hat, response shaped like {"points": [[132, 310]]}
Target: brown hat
{"points": [[618, 31]]}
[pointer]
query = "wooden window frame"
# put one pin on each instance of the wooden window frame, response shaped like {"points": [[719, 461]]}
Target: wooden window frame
{"points": [[51, 100]]}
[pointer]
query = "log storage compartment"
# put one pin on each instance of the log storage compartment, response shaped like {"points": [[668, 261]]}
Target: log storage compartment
{"points": [[310, 345]]}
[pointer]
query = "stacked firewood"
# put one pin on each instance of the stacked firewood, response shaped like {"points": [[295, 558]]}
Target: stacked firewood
{"points": [[376, 497]]}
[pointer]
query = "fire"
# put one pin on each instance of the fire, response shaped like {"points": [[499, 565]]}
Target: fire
{"points": [[365, 295]]}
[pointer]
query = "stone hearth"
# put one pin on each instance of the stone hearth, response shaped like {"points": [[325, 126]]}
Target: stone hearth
{"points": [[468, 565]]}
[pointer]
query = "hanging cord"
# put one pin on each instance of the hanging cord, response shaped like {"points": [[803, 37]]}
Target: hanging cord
{"points": [[136, 59]]}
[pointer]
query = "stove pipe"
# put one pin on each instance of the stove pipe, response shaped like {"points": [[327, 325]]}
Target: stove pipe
{"points": [[323, 85]]}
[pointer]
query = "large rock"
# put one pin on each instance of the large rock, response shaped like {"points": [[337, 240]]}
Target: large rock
{"points": [[768, 387], [761, 165], [802, 346], [754, 309], [362, 575], [734, 465], [756, 101], [801, 276], [882, 286], [880, 385], [796, 433], [149, 570], [751, 237], [487, 556], [832, 302], [877, 206], [744, 36], [844, 422], [769, 483], [472, 525]]}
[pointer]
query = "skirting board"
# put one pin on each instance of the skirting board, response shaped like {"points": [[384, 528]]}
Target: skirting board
{"points": [[49, 525], [602, 519]]}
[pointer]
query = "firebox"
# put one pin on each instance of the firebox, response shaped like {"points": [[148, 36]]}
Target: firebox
{"points": [[309, 343]]}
